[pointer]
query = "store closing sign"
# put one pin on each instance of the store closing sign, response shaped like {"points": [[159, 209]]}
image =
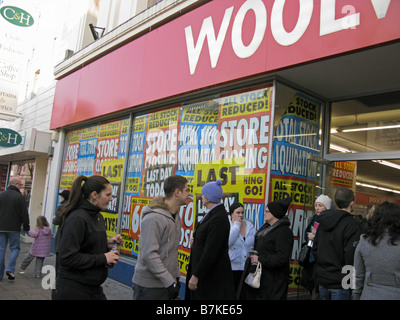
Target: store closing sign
{"points": [[244, 127]]}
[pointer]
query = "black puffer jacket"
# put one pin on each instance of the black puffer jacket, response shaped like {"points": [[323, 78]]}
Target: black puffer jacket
{"points": [[334, 246], [82, 245], [13, 211]]}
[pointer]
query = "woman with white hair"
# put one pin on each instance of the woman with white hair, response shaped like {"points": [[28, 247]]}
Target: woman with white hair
{"points": [[322, 203]]}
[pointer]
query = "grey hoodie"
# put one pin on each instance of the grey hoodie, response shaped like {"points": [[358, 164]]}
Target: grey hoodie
{"points": [[157, 265]]}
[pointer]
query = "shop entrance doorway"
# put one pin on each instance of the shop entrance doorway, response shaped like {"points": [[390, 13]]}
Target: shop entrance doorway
{"points": [[372, 181]]}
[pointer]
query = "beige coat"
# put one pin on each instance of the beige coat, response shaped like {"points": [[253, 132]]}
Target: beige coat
{"points": [[157, 265]]}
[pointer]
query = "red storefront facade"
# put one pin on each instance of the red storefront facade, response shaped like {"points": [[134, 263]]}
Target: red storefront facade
{"points": [[249, 35], [239, 61]]}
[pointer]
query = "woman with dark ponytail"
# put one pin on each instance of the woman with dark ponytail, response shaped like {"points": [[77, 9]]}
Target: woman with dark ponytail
{"points": [[84, 251]]}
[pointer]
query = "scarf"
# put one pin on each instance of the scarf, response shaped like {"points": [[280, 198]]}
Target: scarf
{"points": [[264, 231]]}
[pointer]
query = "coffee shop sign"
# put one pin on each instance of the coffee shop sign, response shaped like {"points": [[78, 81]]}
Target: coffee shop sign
{"points": [[9, 138]]}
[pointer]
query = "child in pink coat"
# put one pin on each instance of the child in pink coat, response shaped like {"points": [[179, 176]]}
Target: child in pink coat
{"points": [[40, 247]]}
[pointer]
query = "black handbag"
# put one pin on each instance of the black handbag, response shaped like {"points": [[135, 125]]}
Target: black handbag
{"points": [[304, 255]]}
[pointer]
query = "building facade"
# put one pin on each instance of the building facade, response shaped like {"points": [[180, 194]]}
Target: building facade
{"points": [[273, 98], [36, 36], [260, 94]]}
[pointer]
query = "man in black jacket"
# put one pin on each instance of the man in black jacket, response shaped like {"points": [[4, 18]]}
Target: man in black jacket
{"points": [[209, 275], [335, 242], [13, 214]]}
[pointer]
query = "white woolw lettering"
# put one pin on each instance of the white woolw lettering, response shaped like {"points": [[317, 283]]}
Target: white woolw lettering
{"points": [[381, 7], [350, 10], [278, 30], [328, 22], [260, 11], [214, 45]]}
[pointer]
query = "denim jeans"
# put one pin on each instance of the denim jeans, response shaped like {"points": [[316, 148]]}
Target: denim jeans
{"points": [[14, 238], [334, 294]]}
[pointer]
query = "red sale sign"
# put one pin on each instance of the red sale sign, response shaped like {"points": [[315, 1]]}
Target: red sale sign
{"points": [[137, 204]]}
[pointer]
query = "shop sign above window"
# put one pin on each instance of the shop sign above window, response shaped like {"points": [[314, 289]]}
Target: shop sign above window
{"points": [[9, 138], [16, 16]]}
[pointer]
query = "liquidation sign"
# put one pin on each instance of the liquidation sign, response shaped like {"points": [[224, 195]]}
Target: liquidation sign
{"points": [[292, 174]]}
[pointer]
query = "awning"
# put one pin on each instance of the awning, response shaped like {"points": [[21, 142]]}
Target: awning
{"points": [[34, 143]]}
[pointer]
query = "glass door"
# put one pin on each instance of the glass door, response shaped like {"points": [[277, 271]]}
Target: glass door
{"points": [[24, 170]]}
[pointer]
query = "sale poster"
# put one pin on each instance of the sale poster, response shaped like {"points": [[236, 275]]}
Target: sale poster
{"points": [[227, 138], [343, 174], [98, 150], [296, 137]]}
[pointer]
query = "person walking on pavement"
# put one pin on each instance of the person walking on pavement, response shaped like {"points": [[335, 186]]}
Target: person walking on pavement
{"points": [[157, 273], [334, 246], [13, 214], [40, 247], [84, 252]]}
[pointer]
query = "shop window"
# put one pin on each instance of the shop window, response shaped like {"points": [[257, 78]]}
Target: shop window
{"points": [[24, 170], [3, 177], [367, 124], [293, 172], [224, 137], [97, 150]]}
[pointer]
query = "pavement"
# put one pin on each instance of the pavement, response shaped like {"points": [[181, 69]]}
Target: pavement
{"points": [[26, 287]]}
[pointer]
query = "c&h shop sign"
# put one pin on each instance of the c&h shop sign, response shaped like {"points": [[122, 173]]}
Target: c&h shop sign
{"points": [[16, 16], [9, 138]]}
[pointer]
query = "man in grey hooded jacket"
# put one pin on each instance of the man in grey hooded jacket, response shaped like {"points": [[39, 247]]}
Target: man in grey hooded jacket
{"points": [[157, 274]]}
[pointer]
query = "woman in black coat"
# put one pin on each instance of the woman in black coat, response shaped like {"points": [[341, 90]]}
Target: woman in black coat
{"points": [[210, 274], [273, 242], [83, 247]]}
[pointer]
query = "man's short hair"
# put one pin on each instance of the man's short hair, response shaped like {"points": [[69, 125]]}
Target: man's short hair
{"points": [[343, 197], [172, 183], [14, 181]]}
